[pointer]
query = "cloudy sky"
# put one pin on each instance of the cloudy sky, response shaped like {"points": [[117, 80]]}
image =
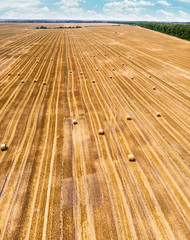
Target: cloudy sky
{"points": [[150, 10]]}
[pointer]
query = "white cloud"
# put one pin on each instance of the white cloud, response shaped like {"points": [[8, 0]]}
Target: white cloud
{"points": [[125, 5], [71, 10], [18, 4], [31, 13], [182, 13], [164, 3], [70, 3], [168, 15]]}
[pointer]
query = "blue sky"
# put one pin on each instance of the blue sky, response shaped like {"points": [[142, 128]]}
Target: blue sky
{"points": [[149, 10]]}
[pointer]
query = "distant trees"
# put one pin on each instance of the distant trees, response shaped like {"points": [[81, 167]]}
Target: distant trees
{"points": [[41, 27], [177, 30]]}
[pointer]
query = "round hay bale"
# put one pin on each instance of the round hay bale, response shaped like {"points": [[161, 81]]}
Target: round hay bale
{"points": [[22, 81], [131, 157], [3, 147], [35, 80], [132, 78], [113, 69], [96, 69], [75, 121], [101, 131], [44, 83], [154, 88], [110, 76], [123, 64], [129, 117], [9, 74], [71, 71], [158, 114], [150, 76], [93, 81], [18, 74], [81, 73]]}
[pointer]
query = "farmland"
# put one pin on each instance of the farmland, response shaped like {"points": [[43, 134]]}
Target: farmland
{"points": [[60, 180]]}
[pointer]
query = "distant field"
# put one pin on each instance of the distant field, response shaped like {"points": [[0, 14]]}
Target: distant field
{"points": [[60, 180]]}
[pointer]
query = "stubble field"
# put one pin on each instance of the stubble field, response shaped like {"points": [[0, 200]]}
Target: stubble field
{"points": [[64, 181]]}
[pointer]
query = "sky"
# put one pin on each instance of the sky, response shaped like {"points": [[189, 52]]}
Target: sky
{"points": [[128, 10]]}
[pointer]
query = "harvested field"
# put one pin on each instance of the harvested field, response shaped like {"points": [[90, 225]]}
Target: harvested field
{"points": [[60, 178]]}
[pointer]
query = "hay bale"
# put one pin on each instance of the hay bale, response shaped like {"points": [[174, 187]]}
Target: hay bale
{"points": [[154, 88], [44, 83], [18, 74], [131, 157], [110, 76], [129, 117], [71, 71], [96, 69], [150, 76], [81, 73], [35, 80], [93, 81], [101, 131], [9, 74], [113, 69], [123, 64], [75, 121], [158, 114], [3, 147], [22, 81]]}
